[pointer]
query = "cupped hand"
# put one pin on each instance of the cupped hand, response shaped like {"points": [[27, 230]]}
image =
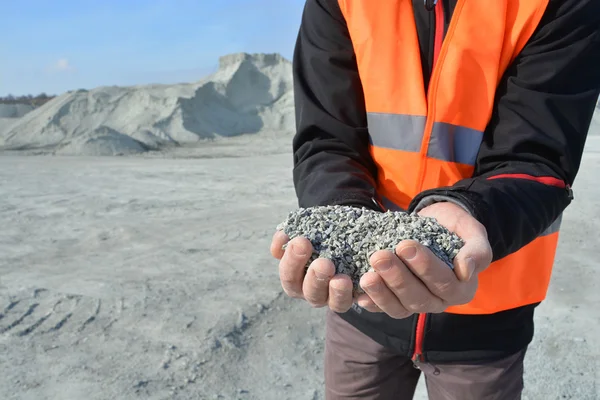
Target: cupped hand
{"points": [[319, 285], [411, 279]]}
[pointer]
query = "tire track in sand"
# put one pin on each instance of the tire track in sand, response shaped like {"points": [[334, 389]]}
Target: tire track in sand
{"points": [[39, 311]]}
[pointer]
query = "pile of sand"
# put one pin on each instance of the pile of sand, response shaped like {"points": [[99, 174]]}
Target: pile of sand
{"points": [[249, 94]]}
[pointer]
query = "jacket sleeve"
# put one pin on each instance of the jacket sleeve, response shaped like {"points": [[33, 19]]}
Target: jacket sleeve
{"points": [[332, 163], [533, 146]]}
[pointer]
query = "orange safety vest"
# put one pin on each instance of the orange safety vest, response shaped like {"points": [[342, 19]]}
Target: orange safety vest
{"points": [[422, 141]]}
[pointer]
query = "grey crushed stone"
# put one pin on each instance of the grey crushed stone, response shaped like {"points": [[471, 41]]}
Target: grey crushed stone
{"points": [[350, 235]]}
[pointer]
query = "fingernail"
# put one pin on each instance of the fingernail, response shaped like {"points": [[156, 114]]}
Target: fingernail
{"points": [[374, 288], [408, 253], [297, 251], [382, 265]]}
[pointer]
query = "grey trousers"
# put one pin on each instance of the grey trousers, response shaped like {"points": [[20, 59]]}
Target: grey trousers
{"points": [[357, 367]]}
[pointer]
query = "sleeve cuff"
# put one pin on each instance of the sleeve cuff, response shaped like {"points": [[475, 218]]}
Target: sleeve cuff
{"points": [[435, 198]]}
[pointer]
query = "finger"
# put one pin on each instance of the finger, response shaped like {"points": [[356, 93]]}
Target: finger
{"points": [[279, 239], [471, 231], [382, 296], [476, 254], [316, 282], [292, 266], [367, 303], [413, 294], [340, 293], [474, 257], [432, 272]]}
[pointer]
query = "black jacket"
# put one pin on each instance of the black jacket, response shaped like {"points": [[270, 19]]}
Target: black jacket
{"points": [[542, 112]]}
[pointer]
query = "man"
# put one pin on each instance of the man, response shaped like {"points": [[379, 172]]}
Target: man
{"points": [[472, 112]]}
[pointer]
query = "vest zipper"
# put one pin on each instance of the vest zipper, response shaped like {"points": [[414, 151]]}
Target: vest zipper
{"points": [[438, 9]]}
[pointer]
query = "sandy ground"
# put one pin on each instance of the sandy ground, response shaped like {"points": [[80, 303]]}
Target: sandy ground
{"points": [[150, 278]]}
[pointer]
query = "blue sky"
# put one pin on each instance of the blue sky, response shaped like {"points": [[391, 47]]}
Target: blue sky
{"points": [[55, 46]]}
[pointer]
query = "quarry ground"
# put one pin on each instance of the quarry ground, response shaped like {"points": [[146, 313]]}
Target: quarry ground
{"points": [[150, 278]]}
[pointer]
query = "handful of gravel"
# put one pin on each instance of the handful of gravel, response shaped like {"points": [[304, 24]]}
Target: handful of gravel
{"points": [[348, 236]]}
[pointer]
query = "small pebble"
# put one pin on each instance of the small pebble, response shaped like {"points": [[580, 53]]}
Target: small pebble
{"points": [[241, 321]]}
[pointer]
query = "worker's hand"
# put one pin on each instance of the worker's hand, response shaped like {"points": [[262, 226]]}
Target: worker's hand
{"points": [[413, 280], [319, 286]]}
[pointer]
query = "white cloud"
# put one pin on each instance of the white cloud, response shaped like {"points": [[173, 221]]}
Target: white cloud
{"points": [[61, 65]]}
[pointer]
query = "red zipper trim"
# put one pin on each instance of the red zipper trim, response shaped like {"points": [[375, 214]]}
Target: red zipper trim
{"points": [[419, 340], [546, 180], [437, 46], [439, 30]]}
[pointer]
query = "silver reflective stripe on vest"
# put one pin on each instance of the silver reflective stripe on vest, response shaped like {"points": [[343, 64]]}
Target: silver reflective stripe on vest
{"points": [[405, 132], [396, 131], [454, 143]]}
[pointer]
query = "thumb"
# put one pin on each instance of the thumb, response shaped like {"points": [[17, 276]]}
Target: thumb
{"points": [[474, 257]]}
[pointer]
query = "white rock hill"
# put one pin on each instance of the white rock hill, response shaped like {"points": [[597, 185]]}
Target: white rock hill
{"points": [[248, 94]]}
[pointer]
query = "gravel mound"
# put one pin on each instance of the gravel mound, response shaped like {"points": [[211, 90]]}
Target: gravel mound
{"points": [[248, 95], [102, 142]]}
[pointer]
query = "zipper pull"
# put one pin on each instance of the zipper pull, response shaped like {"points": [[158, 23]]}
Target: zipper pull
{"points": [[416, 359], [569, 192], [430, 4]]}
